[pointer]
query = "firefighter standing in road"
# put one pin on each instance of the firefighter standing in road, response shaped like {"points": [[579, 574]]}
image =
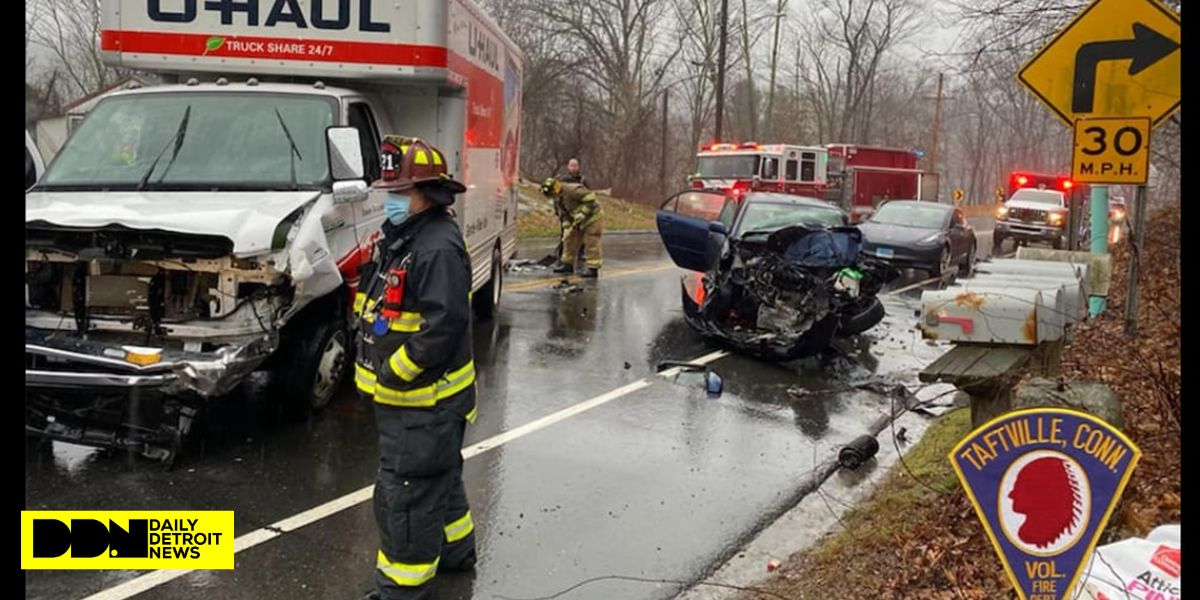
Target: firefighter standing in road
{"points": [[415, 362], [581, 216], [573, 174]]}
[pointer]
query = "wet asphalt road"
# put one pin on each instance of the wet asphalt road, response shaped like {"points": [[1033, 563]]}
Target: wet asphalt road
{"points": [[660, 483]]}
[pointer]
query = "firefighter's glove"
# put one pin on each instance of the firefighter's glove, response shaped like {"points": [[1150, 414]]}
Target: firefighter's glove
{"points": [[577, 221]]}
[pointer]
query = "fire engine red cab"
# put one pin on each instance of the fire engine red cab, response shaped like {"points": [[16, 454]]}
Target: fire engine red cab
{"points": [[856, 178]]}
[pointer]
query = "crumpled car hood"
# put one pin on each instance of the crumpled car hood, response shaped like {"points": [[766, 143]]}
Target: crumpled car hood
{"points": [[248, 219]]}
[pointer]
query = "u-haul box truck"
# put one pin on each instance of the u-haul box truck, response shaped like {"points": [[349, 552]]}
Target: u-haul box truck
{"points": [[204, 236]]}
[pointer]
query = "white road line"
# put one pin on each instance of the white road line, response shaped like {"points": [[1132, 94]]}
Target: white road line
{"points": [[244, 542]]}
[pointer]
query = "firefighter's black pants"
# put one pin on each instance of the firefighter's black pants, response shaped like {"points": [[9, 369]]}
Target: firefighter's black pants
{"points": [[420, 504]]}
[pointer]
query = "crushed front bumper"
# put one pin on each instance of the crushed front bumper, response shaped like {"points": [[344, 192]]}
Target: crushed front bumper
{"points": [[84, 391]]}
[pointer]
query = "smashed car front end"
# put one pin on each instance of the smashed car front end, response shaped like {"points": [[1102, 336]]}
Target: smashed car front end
{"points": [[790, 295]]}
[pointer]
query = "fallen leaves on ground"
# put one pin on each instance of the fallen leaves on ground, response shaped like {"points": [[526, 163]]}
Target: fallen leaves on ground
{"points": [[937, 548]]}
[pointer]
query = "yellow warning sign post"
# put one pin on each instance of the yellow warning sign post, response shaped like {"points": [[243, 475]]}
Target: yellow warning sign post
{"points": [[1117, 58]]}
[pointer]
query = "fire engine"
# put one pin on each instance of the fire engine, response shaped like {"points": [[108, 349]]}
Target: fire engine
{"points": [[856, 178]]}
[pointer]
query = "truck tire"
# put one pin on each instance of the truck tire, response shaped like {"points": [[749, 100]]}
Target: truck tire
{"points": [[1059, 243], [487, 299], [861, 318], [310, 366]]}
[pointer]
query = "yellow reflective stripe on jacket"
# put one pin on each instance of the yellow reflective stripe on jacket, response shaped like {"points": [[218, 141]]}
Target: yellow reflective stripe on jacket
{"points": [[407, 322], [453, 383], [364, 379], [403, 366], [460, 528], [408, 575], [360, 300]]}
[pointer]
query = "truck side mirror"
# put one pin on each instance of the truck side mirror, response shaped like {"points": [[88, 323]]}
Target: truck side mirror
{"points": [[345, 153]]}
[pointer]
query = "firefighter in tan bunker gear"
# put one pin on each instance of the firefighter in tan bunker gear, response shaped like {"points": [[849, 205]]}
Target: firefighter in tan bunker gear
{"points": [[415, 363], [582, 222]]}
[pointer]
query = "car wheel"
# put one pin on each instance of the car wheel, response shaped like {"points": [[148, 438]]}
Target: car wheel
{"points": [[862, 317], [997, 244], [487, 299], [967, 267], [311, 368], [945, 261]]}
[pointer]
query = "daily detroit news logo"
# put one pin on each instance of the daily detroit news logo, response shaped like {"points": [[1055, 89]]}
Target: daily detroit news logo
{"points": [[1044, 483], [83, 539]]}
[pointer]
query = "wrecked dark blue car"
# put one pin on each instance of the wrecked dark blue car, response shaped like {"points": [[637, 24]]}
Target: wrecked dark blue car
{"points": [[777, 276]]}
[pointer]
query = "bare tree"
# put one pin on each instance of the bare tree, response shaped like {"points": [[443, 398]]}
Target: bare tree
{"points": [[70, 30], [847, 41]]}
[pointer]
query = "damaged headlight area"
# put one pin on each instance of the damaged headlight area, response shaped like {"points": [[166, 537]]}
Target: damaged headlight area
{"points": [[128, 333], [790, 295]]}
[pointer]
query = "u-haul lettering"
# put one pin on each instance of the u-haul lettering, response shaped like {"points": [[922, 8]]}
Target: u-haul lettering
{"points": [[335, 15], [483, 47]]}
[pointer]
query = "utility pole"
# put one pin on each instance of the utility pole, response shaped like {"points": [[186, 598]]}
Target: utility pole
{"points": [[937, 125], [662, 165], [774, 61], [721, 68]]}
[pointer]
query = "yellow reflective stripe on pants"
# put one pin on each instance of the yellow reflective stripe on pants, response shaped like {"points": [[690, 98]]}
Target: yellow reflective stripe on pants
{"points": [[405, 574], [453, 383], [403, 366], [471, 415], [460, 529], [364, 379]]}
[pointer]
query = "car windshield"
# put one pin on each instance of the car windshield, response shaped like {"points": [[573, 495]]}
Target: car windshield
{"points": [[765, 217], [1038, 196], [727, 167], [190, 140], [911, 214]]}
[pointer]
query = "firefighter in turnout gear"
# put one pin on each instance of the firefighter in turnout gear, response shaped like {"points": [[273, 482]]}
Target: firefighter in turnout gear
{"points": [[581, 216], [415, 363]]}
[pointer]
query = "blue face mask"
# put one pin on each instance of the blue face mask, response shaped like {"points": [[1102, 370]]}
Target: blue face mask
{"points": [[395, 206]]}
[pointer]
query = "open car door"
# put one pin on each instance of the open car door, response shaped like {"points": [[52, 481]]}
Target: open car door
{"points": [[690, 224]]}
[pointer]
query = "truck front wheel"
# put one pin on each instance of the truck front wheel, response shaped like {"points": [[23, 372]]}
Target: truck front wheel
{"points": [[311, 367]]}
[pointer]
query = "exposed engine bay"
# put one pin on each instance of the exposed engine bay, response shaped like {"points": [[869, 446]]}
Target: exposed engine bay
{"points": [[129, 332], [789, 295]]}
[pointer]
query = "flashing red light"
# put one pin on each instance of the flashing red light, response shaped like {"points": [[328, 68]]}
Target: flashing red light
{"points": [[739, 188], [1068, 184], [697, 184], [1022, 180]]}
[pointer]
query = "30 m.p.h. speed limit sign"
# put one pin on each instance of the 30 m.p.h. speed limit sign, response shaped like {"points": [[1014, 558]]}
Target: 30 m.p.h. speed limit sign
{"points": [[1114, 151]]}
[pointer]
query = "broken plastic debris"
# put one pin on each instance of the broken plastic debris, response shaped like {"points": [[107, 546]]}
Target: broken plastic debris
{"points": [[772, 565]]}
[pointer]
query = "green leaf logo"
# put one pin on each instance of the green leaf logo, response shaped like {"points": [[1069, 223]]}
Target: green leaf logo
{"points": [[214, 43]]}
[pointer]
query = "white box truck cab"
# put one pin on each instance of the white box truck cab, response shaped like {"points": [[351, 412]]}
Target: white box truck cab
{"points": [[203, 237]]}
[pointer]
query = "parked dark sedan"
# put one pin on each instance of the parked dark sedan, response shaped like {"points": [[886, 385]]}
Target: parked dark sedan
{"points": [[777, 276], [921, 235]]}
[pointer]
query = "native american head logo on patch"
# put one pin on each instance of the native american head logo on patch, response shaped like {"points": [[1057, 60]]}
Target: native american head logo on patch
{"points": [[1044, 502]]}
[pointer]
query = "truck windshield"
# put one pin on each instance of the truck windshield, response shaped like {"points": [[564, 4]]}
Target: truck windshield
{"points": [[198, 140], [727, 167], [1039, 196]]}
